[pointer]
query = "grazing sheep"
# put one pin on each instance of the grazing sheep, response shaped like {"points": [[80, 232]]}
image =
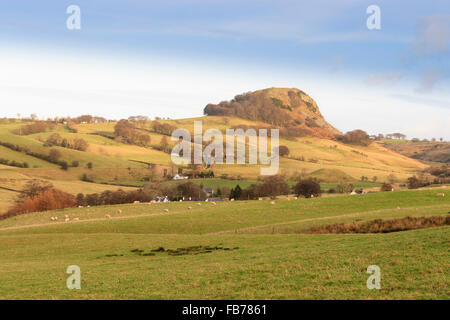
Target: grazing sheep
{"points": [[441, 194], [137, 202], [232, 199], [259, 199], [199, 204], [295, 198], [181, 200], [66, 216], [56, 218], [189, 208], [76, 219], [119, 211], [66, 220], [272, 202], [107, 216], [80, 206], [213, 203], [166, 210], [52, 218]]}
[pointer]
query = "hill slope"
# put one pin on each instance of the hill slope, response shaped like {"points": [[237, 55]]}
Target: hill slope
{"points": [[425, 151], [283, 107]]}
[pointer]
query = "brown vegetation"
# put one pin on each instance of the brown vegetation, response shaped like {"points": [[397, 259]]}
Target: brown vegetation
{"points": [[126, 132], [356, 137], [383, 226], [51, 199]]}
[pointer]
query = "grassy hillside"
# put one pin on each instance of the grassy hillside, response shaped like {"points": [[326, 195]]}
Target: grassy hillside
{"points": [[263, 240], [438, 152], [115, 162]]}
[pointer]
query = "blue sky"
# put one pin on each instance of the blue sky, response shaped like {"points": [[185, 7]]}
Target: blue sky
{"points": [[171, 58]]}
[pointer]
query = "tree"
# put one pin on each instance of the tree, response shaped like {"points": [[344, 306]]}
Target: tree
{"points": [[80, 144], [54, 155], [164, 144], [308, 188], [54, 140], [386, 187], [64, 165], [414, 183], [236, 193], [273, 186], [32, 189], [283, 151]]}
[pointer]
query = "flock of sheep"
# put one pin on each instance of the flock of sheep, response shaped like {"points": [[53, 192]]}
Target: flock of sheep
{"points": [[119, 211]]}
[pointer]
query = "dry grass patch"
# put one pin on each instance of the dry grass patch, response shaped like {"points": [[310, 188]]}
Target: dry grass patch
{"points": [[382, 226]]}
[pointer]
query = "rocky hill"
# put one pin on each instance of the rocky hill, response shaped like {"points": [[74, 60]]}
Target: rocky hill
{"points": [[290, 109]]}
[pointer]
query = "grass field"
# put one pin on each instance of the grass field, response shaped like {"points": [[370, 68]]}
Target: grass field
{"points": [[268, 256]]}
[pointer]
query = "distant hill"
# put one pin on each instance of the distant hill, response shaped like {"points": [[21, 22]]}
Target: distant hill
{"points": [[425, 151], [291, 109]]}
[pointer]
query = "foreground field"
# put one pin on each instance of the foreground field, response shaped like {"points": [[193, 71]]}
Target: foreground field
{"points": [[262, 252]]}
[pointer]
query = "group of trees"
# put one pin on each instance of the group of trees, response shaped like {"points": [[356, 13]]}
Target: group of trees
{"points": [[14, 163], [163, 128], [76, 144], [274, 186], [87, 119], [35, 127], [37, 196], [251, 106], [364, 178], [127, 132], [53, 156], [356, 137]]}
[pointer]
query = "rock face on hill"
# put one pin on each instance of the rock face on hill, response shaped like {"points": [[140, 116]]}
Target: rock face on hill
{"points": [[292, 110]]}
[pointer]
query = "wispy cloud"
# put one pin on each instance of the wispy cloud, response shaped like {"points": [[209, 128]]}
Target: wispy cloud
{"points": [[423, 101], [433, 35], [384, 78], [429, 80]]}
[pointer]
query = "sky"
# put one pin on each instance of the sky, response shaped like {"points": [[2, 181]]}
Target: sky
{"points": [[171, 58]]}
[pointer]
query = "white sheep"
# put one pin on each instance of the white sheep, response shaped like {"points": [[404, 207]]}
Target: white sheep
{"points": [[107, 216], [119, 211], [166, 210], [66, 220]]}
